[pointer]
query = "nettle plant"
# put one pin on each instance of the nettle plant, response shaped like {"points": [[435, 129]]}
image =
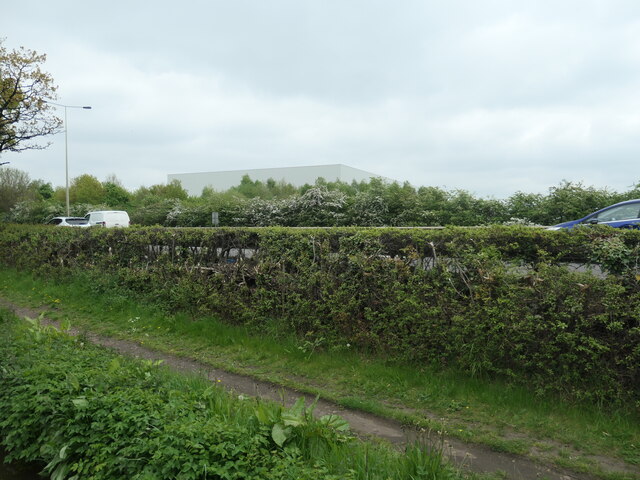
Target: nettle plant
{"points": [[87, 413]]}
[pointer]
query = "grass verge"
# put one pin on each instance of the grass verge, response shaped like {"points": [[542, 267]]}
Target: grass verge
{"points": [[507, 418], [89, 413]]}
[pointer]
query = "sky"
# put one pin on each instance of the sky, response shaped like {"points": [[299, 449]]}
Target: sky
{"points": [[488, 96]]}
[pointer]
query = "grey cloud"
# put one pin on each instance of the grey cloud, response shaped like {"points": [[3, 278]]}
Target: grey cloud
{"points": [[493, 96]]}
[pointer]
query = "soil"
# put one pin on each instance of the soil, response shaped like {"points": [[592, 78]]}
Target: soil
{"points": [[467, 456]]}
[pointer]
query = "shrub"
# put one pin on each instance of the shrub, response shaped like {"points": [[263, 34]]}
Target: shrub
{"points": [[500, 301]]}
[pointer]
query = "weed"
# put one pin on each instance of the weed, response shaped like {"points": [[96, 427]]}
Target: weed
{"points": [[85, 411]]}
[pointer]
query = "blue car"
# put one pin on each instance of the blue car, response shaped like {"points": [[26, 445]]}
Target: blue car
{"points": [[621, 215]]}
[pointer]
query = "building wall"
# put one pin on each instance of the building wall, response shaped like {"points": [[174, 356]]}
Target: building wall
{"points": [[193, 183]]}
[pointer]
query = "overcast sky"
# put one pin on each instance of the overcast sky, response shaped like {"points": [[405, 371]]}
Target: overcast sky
{"points": [[489, 96]]}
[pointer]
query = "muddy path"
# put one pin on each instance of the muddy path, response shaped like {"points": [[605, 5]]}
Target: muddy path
{"points": [[472, 457]]}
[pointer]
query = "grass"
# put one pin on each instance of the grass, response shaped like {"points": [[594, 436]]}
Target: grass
{"points": [[131, 394], [503, 416]]}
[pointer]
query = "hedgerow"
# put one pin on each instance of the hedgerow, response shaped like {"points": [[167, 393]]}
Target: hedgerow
{"points": [[90, 414], [494, 301]]}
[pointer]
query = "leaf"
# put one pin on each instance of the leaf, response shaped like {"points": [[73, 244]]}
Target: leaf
{"points": [[336, 422], [73, 381], [280, 434], [63, 452], [80, 402], [60, 473], [293, 419], [295, 415], [65, 325], [114, 366], [264, 414]]}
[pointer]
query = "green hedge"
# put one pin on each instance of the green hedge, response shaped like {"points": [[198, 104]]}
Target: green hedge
{"points": [[503, 301]]}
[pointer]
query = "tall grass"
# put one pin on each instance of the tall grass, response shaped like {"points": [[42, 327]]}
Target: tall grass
{"points": [[161, 424]]}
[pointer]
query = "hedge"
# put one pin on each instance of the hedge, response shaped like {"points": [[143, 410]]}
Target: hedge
{"points": [[494, 301]]}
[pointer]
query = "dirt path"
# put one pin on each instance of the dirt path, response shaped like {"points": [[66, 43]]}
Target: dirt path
{"points": [[473, 457]]}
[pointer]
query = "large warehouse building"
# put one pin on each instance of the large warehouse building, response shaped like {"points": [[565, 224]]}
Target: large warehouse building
{"points": [[193, 183]]}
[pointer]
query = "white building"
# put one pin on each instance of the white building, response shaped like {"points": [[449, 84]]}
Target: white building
{"points": [[193, 183]]}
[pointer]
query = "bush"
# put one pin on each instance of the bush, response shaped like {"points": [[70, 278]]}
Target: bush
{"points": [[499, 301]]}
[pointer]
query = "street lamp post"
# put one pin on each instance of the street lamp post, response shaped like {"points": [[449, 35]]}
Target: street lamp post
{"points": [[66, 146]]}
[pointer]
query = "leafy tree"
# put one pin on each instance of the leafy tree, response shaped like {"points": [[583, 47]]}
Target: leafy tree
{"points": [[402, 203], [280, 189], [253, 188], [317, 207], [491, 210], [30, 211], [15, 187], [188, 213], [86, 189], [25, 114], [45, 190], [632, 194], [115, 195], [526, 206], [153, 212], [465, 209], [228, 205], [570, 201], [171, 191], [433, 206], [367, 209]]}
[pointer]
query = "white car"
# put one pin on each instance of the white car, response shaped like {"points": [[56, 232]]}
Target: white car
{"points": [[107, 218], [68, 221]]}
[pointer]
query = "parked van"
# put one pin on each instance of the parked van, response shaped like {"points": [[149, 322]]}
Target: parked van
{"points": [[107, 218]]}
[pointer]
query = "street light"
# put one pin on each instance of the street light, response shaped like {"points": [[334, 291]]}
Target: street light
{"points": [[66, 145]]}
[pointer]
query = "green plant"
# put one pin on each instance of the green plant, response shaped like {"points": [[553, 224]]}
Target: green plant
{"points": [[90, 414], [496, 301]]}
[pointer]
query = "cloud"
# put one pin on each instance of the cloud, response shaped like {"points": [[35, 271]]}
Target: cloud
{"points": [[492, 97]]}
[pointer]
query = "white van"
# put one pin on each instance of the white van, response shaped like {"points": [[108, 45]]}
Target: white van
{"points": [[107, 218]]}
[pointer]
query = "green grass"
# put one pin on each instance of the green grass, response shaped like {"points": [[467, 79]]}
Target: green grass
{"points": [[503, 416], [94, 396]]}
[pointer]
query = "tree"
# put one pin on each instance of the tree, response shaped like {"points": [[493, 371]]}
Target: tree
{"points": [[317, 207], [15, 187], [86, 189], [115, 195], [569, 201], [171, 191], [25, 114], [45, 190], [367, 209], [252, 189]]}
